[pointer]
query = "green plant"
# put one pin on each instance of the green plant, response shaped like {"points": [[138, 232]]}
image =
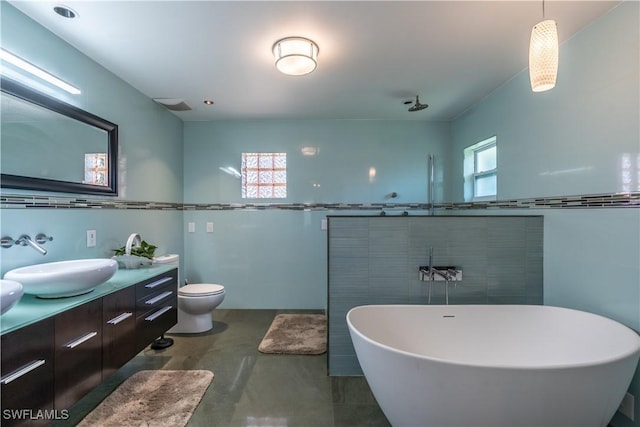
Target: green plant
{"points": [[144, 250]]}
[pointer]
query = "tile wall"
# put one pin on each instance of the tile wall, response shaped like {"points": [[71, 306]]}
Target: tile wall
{"points": [[375, 260]]}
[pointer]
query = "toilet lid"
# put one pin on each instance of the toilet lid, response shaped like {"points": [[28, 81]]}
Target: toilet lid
{"points": [[200, 289]]}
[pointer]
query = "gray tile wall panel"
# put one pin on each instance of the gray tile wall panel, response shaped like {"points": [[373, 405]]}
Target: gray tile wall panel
{"points": [[375, 260]]}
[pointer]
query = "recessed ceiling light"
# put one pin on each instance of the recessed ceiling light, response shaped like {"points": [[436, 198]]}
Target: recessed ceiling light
{"points": [[208, 102], [65, 12]]}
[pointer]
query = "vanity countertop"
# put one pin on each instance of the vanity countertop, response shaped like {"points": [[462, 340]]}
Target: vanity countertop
{"points": [[31, 309]]}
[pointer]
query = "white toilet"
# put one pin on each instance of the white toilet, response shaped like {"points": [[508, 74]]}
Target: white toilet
{"points": [[195, 303]]}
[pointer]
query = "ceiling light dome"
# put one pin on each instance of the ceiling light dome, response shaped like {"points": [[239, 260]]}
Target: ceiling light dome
{"points": [[295, 56]]}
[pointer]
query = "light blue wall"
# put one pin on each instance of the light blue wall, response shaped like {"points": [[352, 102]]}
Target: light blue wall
{"points": [[265, 259], [583, 137], [277, 259], [579, 138], [346, 151], [150, 162]]}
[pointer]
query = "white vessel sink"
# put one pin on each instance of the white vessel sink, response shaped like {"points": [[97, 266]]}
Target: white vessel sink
{"points": [[10, 293], [63, 278]]}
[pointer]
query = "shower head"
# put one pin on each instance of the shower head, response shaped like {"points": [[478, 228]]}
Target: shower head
{"points": [[418, 106]]}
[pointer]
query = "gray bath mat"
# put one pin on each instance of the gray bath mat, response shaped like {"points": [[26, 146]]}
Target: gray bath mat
{"points": [[152, 398], [296, 334]]}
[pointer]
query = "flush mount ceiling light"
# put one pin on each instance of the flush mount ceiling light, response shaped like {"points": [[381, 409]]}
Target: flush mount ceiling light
{"points": [[34, 70], [543, 55], [295, 56]]}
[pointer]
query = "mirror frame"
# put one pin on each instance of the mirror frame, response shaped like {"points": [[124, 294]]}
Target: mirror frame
{"points": [[32, 183]]}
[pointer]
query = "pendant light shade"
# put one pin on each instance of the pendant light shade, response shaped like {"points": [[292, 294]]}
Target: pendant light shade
{"points": [[543, 56], [296, 56]]}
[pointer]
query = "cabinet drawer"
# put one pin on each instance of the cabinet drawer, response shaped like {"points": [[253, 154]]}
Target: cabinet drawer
{"points": [[153, 323], [27, 366], [119, 330], [160, 298], [78, 352], [168, 280]]}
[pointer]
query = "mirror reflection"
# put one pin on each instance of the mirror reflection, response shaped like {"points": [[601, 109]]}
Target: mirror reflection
{"points": [[53, 146]]}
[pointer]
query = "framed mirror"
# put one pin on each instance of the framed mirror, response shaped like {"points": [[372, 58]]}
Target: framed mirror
{"points": [[49, 145]]}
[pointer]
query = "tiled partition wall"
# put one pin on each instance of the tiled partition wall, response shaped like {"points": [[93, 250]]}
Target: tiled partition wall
{"points": [[375, 260]]}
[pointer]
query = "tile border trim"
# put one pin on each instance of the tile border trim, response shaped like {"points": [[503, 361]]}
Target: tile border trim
{"points": [[612, 200]]}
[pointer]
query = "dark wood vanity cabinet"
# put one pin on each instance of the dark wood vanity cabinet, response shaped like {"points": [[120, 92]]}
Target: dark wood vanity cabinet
{"points": [[156, 307], [118, 330], [49, 365], [27, 374], [78, 352]]}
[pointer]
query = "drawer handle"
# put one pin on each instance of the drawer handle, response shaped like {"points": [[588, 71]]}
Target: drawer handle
{"points": [[158, 282], [158, 313], [22, 371], [84, 338], [159, 298], [119, 318]]}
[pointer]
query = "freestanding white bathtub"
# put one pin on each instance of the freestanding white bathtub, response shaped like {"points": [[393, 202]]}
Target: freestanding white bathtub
{"points": [[493, 365]]}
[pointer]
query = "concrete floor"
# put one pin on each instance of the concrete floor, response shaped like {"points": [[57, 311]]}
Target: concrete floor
{"points": [[250, 388]]}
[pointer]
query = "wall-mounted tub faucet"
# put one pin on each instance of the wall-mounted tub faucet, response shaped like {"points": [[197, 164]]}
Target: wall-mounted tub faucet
{"points": [[433, 273], [25, 240]]}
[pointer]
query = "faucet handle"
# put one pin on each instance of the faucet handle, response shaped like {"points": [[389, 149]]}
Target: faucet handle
{"points": [[22, 240], [43, 238], [6, 242]]}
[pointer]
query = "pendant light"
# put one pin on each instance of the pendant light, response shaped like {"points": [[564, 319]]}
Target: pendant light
{"points": [[543, 55]]}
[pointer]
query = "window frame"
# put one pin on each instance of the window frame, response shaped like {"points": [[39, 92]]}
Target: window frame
{"points": [[471, 173], [486, 173]]}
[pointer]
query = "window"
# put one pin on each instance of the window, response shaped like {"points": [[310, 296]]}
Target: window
{"points": [[264, 175], [481, 170], [95, 169]]}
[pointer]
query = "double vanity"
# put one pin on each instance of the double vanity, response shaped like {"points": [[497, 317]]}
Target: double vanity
{"points": [[54, 351]]}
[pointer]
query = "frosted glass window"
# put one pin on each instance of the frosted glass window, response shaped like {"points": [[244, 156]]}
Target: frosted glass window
{"points": [[264, 175]]}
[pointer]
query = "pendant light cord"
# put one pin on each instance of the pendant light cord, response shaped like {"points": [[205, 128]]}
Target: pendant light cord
{"points": [[543, 10]]}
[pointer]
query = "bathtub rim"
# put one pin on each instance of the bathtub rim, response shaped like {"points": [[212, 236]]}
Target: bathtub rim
{"points": [[551, 367]]}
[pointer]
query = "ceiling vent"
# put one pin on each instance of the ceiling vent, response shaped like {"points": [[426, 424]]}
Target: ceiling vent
{"points": [[173, 104]]}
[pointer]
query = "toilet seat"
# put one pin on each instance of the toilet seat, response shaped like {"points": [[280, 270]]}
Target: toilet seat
{"points": [[200, 290]]}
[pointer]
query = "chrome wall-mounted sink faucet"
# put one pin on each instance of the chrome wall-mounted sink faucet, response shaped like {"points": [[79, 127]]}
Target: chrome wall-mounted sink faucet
{"points": [[25, 240]]}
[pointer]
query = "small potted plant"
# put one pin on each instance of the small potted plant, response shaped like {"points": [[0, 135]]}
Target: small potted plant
{"points": [[136, 253]]}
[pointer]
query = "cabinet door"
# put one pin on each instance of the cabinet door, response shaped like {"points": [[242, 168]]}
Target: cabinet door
{"points": [[119, 330], [27, 374], [78, 352]]}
